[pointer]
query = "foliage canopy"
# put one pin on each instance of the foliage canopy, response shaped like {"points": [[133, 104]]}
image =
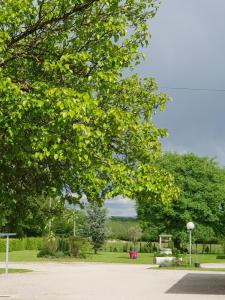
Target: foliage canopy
{"points": [[67, 116], [202, 200]]}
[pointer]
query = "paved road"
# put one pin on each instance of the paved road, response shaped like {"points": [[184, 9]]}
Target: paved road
{"points": [[90, 281]]}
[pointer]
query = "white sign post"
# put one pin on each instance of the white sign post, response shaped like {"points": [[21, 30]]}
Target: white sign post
{"points": [[7, 235]]}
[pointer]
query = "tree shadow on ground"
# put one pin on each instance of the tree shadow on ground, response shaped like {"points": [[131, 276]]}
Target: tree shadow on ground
{"points": [[202, 284]]}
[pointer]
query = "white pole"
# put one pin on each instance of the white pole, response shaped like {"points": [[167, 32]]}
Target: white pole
{"points": [[190, 248], [7, 254]]}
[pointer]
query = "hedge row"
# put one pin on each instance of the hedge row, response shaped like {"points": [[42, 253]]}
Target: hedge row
{"points": [[31, 243]]}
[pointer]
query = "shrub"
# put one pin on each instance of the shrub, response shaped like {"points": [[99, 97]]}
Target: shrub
{"points": [[176, 262], [59, 254], [207, 249], [44, 252], [33, 243], [2, 245], [176, 253], [154, 249], [79, 247], [63, 246], [49, 247], [16, 244], [147, 248], [125, 248], [220, 257]]}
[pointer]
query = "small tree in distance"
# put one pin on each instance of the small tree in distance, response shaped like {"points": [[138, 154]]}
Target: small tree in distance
{"points": [[134, 234], [95, 225]]}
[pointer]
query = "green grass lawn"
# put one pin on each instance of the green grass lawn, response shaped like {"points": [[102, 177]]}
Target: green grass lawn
{"points": [[21, 256], [106, 257], [204, 258], [2, 271], [120, 257]]}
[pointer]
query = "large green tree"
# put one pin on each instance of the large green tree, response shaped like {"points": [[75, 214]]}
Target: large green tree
{"points": [[202, 200], [67, 115]]}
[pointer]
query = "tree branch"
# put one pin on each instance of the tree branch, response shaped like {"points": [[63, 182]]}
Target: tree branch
{"points": [[40, 25]]}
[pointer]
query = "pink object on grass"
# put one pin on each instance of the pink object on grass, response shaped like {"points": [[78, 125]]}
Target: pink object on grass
{"points": [[133, 254]]}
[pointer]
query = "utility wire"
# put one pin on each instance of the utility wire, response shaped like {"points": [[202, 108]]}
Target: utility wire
{"points": [[192, 89]]}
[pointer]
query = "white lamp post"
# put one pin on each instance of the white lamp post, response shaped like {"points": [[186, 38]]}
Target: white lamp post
{"points": [[190, 227]]}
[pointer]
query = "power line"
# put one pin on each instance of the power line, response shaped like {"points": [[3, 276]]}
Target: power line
{"points": [[192, 89]]}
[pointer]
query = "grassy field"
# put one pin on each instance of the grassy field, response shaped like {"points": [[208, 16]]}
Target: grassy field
{"points": [[107, 257], [2, 271], [204, 258]]}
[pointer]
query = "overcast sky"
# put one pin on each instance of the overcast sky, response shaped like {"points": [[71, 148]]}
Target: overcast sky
{"points": [[187, 50]]}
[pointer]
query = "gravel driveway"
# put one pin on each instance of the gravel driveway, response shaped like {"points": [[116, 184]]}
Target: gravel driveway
{"points": [[96, 281]]}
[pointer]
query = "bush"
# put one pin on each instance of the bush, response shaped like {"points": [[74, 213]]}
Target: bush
{"points": [[176, 253], [220, 257], [125, 248], [207, 250], [154, 249], [79, 247], [54, 247], [2, 245], [147, 248], [49, 247], [44, 253], [177, 262], [14, 245], [59, 254], [31, 243], [63, 246]]}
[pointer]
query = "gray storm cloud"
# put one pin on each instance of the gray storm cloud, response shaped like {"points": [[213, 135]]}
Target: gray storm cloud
{"points": [[188, 50]]}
